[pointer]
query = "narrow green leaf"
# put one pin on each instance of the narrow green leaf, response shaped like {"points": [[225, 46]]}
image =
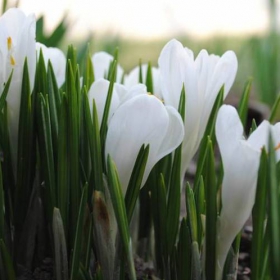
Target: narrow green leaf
{"points": [[54, 102], [135, 181], [259, 217], [25, 156], [2, 205], [243, 104], [191, 213], [195, 263], [103, 127], [5, 92], [275, 110], [209, 131], [273, 212], [211, 213], [174, 197], [184, 252], [73, 141], [78, 236], [7, 263], [62, 164], [120, 213], [60, 249], [140, 79], [92, 128], [149, 79], [72, 59], [89, 73], [47, 153]]}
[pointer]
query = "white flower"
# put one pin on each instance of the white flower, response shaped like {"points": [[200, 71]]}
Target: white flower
{"points": [[101, 62], [240, 159], [17, 42], [142, 119], [202, 78], [58, 60], [133, 78]]}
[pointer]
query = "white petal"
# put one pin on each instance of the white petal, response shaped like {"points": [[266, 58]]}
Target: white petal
{"points": [[58, 60], [101, 63], [224, 74], [173, 62], [128, 130], [259, 138], [238, 195], [229, 131], [99, 91]]}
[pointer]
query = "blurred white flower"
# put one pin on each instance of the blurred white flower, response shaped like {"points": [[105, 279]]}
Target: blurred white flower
{"points": [[202, 78], [101, 63], [57, 58], [240, 159], [142, 119], [133, 78], [17, 42]]}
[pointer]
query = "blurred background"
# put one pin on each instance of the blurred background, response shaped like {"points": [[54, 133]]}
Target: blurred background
{"points": [[140, 29]]}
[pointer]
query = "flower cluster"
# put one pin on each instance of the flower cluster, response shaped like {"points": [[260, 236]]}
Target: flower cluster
{"points": [[137, 117]]}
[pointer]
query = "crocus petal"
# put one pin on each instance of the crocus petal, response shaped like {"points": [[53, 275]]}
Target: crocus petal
{"points": [[58, 60], [99, 91], [101, 63], [229, 130], [176, 68], [128, 130], [276, 138], [240, 162]]}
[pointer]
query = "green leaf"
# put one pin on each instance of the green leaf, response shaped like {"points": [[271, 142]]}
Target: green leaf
{"points": [[211, 212], [184, 252], [140, 79], [135, 181], [63, 164], [259, 219], [191, 212], [73, 141], [273, 212], [195, 262], [47, 154], [5, 92], [243, 103], [25, 163], [174, 197], [103, 127], [209, 131], [120, 213], [89, 73], [2, 205], [60, 249], [275, 110], [92, 128], [78, 236], [149, 79], [7, 263]]}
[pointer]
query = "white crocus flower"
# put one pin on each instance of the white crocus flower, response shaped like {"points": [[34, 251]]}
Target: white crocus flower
{"points": [[132, 78], [142, 119], [17, 42], [101, 62], [58, 60], [202, 78], [240, 159]]}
